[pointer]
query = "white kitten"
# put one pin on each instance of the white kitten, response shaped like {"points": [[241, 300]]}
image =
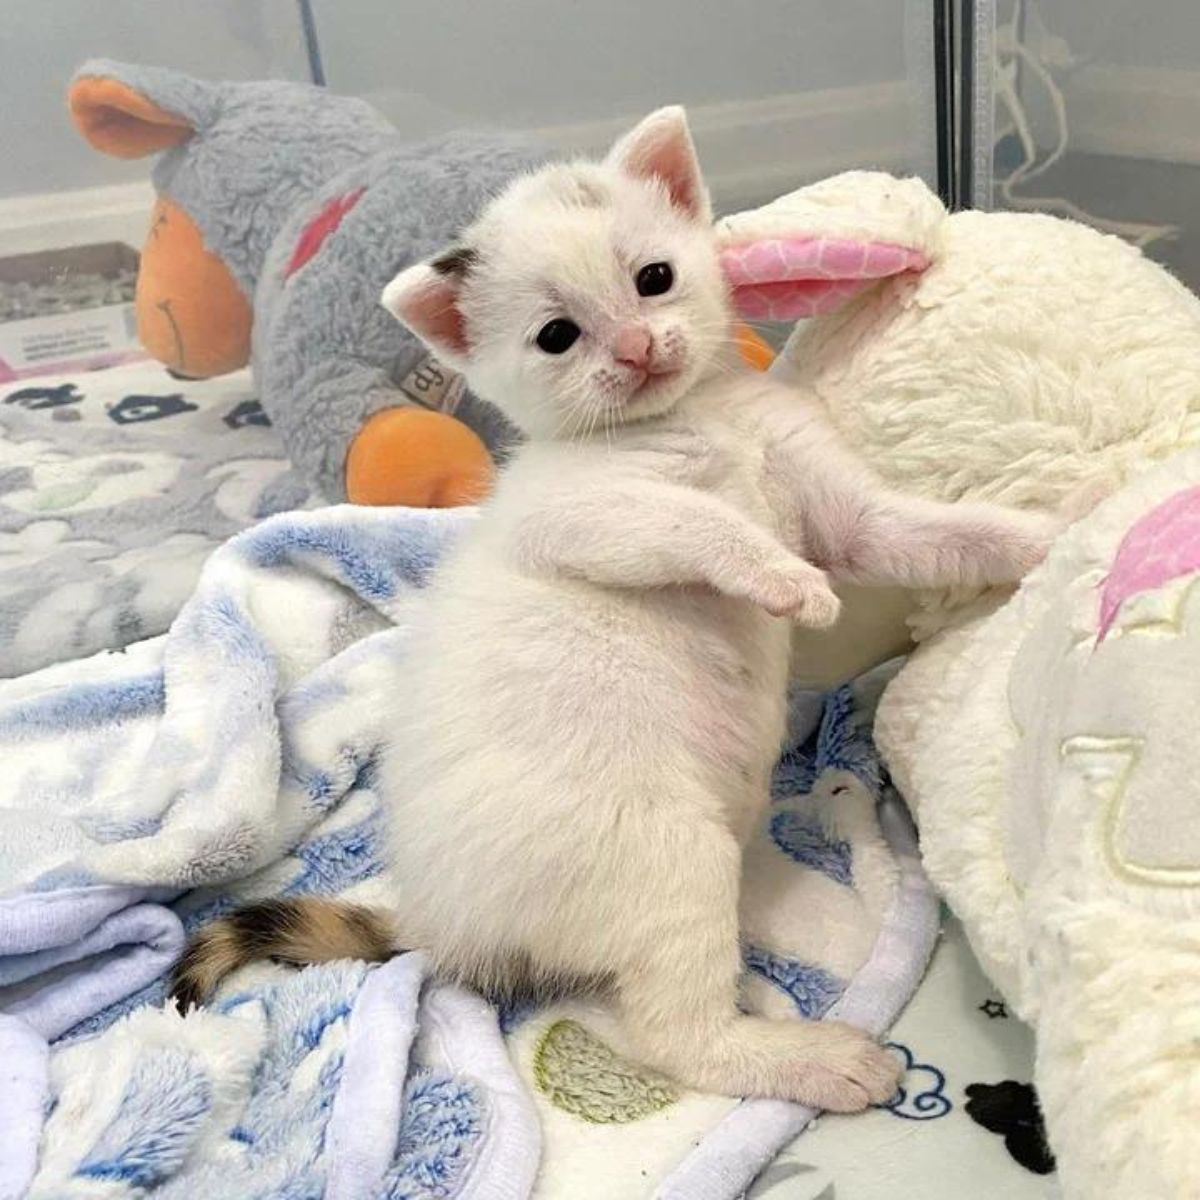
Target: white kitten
{"points": [[588, 722]]}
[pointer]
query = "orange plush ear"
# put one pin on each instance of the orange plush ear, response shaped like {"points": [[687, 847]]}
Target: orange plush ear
{"points": [[117, 119]]}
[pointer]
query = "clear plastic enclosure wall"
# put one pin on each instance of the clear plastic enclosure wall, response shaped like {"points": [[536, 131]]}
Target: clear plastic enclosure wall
{"points": [[1092, 110]]}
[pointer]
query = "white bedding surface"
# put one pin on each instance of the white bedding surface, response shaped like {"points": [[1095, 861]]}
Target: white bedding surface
{"points": [[959, 1034], [115, 485]]}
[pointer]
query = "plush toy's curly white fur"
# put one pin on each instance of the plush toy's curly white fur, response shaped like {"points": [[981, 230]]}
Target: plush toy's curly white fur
{"points": [[587, 725], [1032, 362], [1038, 362]]}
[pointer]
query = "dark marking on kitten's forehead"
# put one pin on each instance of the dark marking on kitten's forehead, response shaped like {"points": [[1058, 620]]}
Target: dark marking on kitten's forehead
{"points": [[457, 261]]}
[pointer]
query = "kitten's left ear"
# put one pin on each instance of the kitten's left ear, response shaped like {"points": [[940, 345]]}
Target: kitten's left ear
{"points": [[425, 298], [660, 147]]}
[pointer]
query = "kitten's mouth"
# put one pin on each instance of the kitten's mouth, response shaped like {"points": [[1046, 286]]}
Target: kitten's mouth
{"points": [[654, 380], [648, 391]]}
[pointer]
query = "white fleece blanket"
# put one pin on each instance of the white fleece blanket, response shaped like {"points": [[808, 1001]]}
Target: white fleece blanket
{"points": [[1050, 751], [145, 792]]}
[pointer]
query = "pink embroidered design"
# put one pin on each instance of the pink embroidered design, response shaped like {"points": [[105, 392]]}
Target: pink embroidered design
{"points": [[1161, 546], [785, 279], [319, 228]]}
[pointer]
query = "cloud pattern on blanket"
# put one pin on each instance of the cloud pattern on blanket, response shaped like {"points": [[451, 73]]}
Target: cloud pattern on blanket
{"points": [[147, 792]]}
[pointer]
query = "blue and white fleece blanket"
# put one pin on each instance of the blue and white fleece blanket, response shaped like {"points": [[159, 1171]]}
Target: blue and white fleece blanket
{"points": [[145, 792]]}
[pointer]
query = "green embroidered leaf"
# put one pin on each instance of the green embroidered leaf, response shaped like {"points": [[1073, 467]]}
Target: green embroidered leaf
{"points": [[578, 1073]]}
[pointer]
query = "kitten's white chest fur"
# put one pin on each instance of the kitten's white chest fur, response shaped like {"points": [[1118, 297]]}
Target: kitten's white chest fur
{"points": [[556, 718]]}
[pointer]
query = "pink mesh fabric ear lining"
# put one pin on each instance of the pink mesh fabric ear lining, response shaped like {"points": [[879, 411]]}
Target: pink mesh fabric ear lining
{"points": [[785, 279]]}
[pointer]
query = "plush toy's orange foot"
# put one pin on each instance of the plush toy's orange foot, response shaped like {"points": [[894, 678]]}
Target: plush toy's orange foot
{"points": [[419, 458]]}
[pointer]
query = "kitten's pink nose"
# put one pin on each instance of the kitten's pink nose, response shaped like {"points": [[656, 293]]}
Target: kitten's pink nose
{"points": [[631, 347]]}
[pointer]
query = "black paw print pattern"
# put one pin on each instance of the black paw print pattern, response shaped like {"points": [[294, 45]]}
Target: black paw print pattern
{"points": [[45, 397], [1011, 1109], [248, 412], [131, 409]]}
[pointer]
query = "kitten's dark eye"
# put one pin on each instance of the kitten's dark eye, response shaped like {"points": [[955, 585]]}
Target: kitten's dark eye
{"points": [[558, 336], [654, 279]]}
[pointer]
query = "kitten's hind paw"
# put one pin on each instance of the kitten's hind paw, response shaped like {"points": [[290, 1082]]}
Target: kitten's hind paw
{"points": [[846, 1071]]}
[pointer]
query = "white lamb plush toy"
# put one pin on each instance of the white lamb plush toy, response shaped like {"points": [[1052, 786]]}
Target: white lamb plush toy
{"points": [[1048, 743]]}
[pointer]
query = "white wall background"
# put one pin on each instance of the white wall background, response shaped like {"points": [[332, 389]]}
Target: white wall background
{"points": [[781, 91], [43, 41], [547, 62]]}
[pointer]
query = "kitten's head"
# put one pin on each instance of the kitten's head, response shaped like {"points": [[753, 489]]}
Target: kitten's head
{"points": [[587, 294]]}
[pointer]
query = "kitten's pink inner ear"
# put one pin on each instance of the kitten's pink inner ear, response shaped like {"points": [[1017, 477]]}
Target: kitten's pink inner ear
{"points": [[661, 148], [787, 279], [428, 305]]}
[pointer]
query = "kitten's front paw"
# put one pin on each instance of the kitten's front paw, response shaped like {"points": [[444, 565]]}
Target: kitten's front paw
{"points": [[1028, 542], [798, 591]]}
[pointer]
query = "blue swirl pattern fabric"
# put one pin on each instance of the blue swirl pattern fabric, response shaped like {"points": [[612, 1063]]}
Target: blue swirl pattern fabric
{"points": [[147, 792]]}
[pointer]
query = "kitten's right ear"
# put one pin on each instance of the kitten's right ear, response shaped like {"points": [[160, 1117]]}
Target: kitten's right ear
{"points": [[425, 298]]}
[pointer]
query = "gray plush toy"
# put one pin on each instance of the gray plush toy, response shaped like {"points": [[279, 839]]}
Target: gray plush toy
{"points": [[282, 212]]}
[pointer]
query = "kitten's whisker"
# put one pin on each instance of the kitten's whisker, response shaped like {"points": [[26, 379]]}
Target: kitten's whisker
{"points": [[568, 422], [581, 412], [597, 411]]}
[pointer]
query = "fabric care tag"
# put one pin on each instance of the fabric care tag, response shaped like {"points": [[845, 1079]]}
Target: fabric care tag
{"points": [[433, 386]]}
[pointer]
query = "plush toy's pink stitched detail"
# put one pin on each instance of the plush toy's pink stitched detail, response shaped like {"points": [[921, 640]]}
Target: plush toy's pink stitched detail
{"points": [[844, 260], [785, 279], [313, 236], [774, 260], [1161, 546], [794, 301]]}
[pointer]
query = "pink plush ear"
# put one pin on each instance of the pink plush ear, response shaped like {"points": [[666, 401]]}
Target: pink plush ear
{"points": [[786, 279], [660, 148], [425, 299]]}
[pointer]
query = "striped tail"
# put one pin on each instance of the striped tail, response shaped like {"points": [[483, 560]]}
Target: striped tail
{"points": [[298, 931]]}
